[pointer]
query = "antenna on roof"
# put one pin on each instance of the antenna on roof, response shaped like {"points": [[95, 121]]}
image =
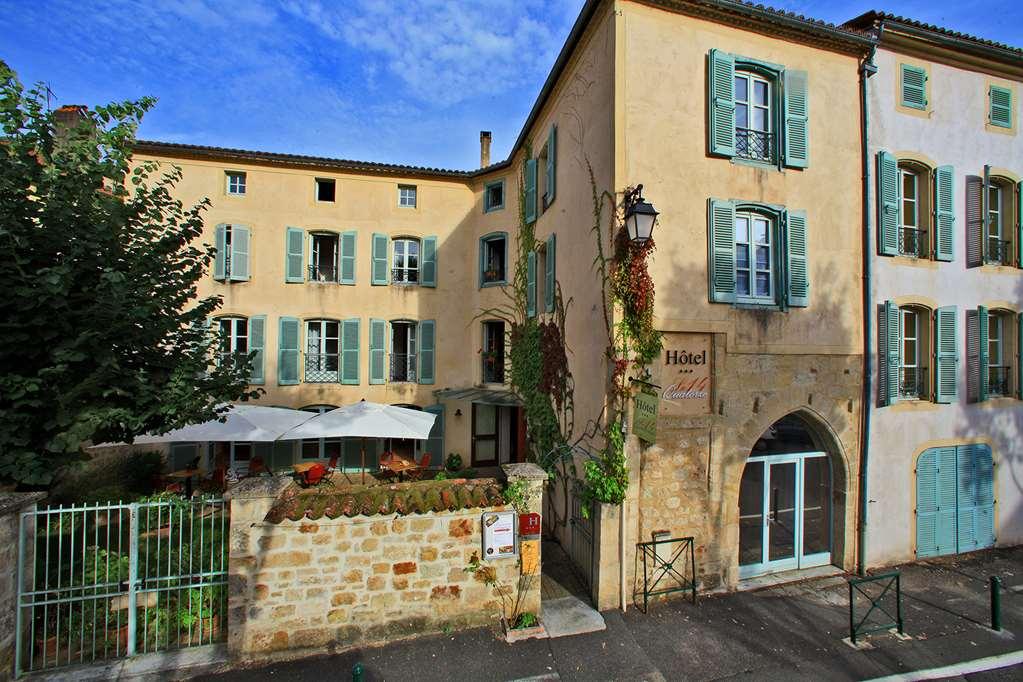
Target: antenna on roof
{"points": [[49, 94]]}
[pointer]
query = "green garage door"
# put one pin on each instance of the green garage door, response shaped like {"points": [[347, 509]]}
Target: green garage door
{"points": [[955, 502]]}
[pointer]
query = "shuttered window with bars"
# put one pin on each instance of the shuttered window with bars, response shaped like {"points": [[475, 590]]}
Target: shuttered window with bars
{"points": [[909, 337], [758, 254], [916, 209]]}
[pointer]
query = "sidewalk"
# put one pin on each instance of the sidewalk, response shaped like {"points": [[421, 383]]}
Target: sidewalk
{"points": [[792, 632]]}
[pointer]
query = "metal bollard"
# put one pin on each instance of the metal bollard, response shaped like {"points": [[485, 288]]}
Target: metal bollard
{"points": [[996, 603], [357, 673]]}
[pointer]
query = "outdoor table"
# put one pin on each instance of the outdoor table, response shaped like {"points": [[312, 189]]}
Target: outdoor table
{"points": [[400, 465], [186, 475]]}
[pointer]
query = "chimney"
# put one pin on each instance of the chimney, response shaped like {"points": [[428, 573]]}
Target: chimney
{"points": [[68, 117], [484, 148]]}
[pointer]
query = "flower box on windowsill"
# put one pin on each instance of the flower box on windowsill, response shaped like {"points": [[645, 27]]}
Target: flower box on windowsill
{"points": [[512, 635]]}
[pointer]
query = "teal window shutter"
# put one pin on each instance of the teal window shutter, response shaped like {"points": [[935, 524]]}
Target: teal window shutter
{"points": [[887, 204], [927, 504], [350, 351], [239, 253], [531, 284], [294, 261], [529, 196], [721, 104], [985, 214], [721, 269], [946, 513], [983, 495], [288, 351], [892, 357], [377, 352], [1019, 224], [797, 148], [552, 164], [914, 87], [1000, 106], [427, 345], [1019, 356], [257, 341], [220, 257], [944, 213], [428, 268], [798, 295], [966, 528], [435, 443], [983, 378], [550, 276], [379, 269], [946, 352], [348, 248]]}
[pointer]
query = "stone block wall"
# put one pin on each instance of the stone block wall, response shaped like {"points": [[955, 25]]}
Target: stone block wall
{"points": [[328, 584], [11, 506]]}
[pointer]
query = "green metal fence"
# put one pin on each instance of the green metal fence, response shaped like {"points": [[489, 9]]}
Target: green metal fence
{"points": [[104, 581], [881, 614]]}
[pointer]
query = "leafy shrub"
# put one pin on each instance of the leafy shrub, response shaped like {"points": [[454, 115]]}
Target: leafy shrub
{"points": [[124, 476], [453, 462]]}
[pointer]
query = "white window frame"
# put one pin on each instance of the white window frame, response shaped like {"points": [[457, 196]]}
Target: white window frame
{"points": [[915, 199], [995, 345], [322, 337], [995, 212], [751, 246], [407, 192], [234, 188], [749, 104], [316, 190], [399, 261], [232, 335], [314, 249]]}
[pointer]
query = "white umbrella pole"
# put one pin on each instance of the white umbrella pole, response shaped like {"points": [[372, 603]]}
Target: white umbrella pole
{"points": [[363, 460]]}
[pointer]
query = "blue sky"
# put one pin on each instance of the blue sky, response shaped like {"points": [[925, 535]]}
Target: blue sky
{"points": [[401, 81]]}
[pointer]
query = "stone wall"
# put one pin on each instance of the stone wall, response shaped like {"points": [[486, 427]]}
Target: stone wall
{"points": [[327, 584], [11, 506]]}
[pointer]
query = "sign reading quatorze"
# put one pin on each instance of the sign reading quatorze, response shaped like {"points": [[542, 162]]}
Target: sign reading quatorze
{"points": [[686, 374]]}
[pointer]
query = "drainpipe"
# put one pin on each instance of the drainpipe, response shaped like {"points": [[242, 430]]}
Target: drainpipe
{"points": [[867, 69]]}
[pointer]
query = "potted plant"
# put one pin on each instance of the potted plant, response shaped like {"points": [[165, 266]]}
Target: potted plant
{"points": [[516, 624], [453, 462]]}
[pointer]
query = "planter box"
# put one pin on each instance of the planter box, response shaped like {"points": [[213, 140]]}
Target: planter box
{"points": [[512, 635]]}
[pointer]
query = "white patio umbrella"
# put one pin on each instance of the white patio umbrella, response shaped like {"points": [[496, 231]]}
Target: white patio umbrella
{"points": [[365, 420], [253, 423]]}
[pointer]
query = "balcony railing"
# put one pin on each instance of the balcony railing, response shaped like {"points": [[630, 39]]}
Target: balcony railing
{"points": [[913, 242], [404, 275], [403, 367], [493, 369], [322, 273], [321, 368], [913, 383], [755, 144], [998, 381], [999, 251]]}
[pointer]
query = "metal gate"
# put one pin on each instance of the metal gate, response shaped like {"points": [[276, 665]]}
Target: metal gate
{"points": [[582, 540], [104, 581]]}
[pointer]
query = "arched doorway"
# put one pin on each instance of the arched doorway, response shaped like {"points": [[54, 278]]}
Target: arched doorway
{"points": [[786, 502]]}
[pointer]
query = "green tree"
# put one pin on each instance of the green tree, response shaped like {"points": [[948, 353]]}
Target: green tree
{"points": [[102, 334]]}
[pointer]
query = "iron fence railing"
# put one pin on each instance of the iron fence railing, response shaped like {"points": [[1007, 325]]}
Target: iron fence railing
{"points": [[753, 144], [321, 368], [913, 242], [998, 380], [669, 565], [404, 275], [403, 367], [875, 590], [322, 273], [104, 581], [913, 382], [999, 251]]}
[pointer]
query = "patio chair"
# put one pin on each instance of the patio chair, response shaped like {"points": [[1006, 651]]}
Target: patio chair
{"points": [[385, 461], [417, 473], [256, 467], [314, 475]]}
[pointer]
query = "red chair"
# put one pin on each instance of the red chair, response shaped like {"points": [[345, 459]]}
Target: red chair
{"points": [[314, 475], [417, 473]]}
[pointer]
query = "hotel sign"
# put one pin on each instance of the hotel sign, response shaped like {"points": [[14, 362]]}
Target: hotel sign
{"points": [[644, 416], [686, 374]]}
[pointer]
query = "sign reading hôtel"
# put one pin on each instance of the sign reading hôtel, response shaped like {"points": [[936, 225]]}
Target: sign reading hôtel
{"points": [[685, 380]]}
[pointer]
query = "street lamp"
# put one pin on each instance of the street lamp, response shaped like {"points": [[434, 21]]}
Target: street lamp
{"points": [[640, 216]]}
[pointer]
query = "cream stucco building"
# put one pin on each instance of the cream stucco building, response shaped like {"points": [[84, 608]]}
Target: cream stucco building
{"points": [[745, 127]]}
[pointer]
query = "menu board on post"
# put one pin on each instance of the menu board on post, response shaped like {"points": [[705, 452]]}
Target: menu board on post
{"points": [[498, 534]]}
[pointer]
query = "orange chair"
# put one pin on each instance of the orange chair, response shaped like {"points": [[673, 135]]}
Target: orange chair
{"points": [[417, 473], [314, 475]]}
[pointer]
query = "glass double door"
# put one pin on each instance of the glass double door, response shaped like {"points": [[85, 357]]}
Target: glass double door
{"points": [[784, 513]]}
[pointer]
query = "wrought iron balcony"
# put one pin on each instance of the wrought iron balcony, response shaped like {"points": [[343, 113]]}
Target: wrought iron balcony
{"points": [[998, 381], [322, 273], [403, 367], [913, 242], [321, 368], [755, 144], [493, 368], [999, 251], [913, 383], [405, 276]]}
